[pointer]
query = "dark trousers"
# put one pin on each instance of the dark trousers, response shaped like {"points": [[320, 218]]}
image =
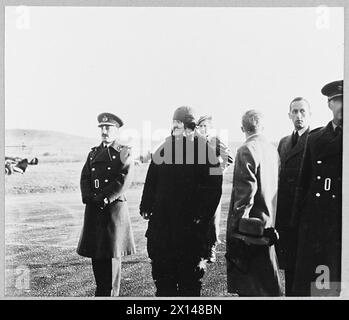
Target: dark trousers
{"points": [[176, 276], [290, 256], [289, 277], [102, 270]]}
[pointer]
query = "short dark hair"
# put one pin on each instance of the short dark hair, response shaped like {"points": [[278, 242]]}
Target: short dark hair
{"points": [[299, 99], [252, 120]]}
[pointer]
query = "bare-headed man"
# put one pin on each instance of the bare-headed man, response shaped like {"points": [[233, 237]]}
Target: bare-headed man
{"points": [[291, 151], [252, 268]]}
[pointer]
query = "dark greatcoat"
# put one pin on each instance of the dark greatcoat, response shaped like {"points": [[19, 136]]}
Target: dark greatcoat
{"points": [[182, 196], [106, 233], [290, 164], [319, 213]]}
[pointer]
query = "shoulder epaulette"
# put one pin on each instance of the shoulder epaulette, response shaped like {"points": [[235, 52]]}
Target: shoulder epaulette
{"points": [[93, 151]]}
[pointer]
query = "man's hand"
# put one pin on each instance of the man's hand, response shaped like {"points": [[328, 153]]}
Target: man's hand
{"points": [[146, 215], [100, 201], [272, 234]]}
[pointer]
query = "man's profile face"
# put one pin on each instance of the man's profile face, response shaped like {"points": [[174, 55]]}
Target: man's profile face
{"points": [[177, 127], [109, 133], [336, 106], [205, 126], [299, 114]]}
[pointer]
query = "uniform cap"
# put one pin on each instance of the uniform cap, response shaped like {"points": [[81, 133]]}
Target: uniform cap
{"points": [[203, 118], [333, 89], [109, 119]]}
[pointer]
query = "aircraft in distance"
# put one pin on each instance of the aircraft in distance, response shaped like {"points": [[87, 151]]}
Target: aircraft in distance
{"points": [[18, 165]]}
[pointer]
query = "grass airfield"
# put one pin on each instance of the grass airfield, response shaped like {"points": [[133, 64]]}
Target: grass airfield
{"points": [[44, 216]]}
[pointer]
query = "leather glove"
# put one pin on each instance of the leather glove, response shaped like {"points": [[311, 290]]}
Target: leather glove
{"points": [[272, 234], [100, 201], [145, 215]]}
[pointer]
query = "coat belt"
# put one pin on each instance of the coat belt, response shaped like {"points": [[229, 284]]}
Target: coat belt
{"points": [[327, 184]]}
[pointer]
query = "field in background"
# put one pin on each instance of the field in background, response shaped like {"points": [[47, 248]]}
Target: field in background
{"points": [[43, 221]]}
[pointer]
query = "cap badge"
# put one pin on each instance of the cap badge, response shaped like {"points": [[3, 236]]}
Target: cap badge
{"points": [[105, 119]]}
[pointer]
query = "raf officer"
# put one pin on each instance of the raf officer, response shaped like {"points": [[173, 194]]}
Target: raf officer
{"points": [[291, 151], [107, 233], [318, 263]]}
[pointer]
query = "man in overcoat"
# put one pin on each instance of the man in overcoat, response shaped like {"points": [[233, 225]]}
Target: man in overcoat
{"points": [[225, 158], [107, 233], [181, 193], [291, 151], [319, 209], [252, 268]]}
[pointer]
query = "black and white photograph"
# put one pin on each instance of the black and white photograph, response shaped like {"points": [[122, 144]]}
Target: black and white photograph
{"points": [[174, 151]]}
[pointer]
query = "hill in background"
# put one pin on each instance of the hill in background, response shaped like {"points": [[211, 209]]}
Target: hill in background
{"points": [[42, 143], [59, 146]]}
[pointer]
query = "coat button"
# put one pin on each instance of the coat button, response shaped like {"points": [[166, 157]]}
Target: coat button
{"points": [[333, 196], [319, 162], [108, 168], [318, 177], [317, 194], [114, 157], [106, 180], [93, 169]]}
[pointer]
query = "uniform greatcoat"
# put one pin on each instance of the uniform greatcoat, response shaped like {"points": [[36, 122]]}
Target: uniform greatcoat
{"points": [[106, 233], [319, 214], [252, 270]]}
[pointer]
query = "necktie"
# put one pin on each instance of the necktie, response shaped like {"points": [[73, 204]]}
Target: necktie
{"points": [[295, 137], [337, 131]]}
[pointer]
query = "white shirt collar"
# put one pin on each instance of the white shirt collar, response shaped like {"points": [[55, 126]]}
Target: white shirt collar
{"points": [[107, 144], [301, 131]]}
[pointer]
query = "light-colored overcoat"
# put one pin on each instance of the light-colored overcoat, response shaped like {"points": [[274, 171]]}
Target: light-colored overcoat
{"points": [[252, 270]]}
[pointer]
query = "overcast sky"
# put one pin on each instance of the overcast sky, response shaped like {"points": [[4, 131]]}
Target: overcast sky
{"points": [[64, 65]]}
